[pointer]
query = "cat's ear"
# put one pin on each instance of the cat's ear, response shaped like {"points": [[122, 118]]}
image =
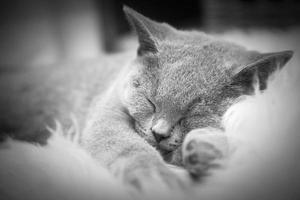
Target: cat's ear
{"points": [[148, 31], [261, 67]]}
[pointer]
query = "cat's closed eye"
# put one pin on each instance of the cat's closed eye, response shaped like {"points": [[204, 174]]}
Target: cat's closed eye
{"points": [[152, 104]]}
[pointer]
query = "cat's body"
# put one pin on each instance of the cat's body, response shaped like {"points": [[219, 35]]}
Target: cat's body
{"points": [[180, 81], [37, 96]]}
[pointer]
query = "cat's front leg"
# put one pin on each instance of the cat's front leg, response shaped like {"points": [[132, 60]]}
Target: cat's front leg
{"points": [[203, 149], [111, 140], [150, 175]]}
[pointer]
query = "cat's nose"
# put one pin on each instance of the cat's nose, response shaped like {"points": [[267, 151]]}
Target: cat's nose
{"points": [[161, 130]]}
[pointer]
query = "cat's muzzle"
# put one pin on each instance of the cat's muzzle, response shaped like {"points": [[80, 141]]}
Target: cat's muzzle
{"points": [[164, 144]]}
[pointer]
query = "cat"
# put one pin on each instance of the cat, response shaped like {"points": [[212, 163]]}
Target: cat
{"points": [[173, 96], [165, 106]]}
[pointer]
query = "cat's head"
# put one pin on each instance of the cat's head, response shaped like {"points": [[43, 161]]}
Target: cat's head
{"points": [[184, 80]]}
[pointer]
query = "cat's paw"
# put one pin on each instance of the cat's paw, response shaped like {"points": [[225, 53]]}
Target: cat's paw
{"points": [[203, 149], [157, 179]]}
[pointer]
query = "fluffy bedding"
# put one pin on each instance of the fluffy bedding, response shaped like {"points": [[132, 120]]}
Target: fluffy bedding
{"points": [[263, 162]]}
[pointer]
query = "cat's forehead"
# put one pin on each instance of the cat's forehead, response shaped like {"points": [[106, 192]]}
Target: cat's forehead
{"points": [[197, 47], [193, 68]]}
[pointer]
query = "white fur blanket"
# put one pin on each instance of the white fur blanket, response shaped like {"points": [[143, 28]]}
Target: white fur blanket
{"points": [[264, 162]]}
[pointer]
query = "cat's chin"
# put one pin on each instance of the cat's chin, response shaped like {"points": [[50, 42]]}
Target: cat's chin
{"points": [[167, 155]]}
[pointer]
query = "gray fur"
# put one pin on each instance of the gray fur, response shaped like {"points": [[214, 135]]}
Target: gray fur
{"points": [[179, 81], [192, 78]]}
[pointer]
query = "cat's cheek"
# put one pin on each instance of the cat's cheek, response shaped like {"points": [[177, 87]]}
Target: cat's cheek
{"points": [[150, 139], [143, 127], [146, 123], [130, 98]]}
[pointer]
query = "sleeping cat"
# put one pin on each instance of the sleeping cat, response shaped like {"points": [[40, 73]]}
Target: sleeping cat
{"points": [[165, 106], [180, 83]]}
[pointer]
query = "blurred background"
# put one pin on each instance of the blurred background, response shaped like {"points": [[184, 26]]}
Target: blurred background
{"points": [[42, 32]]}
